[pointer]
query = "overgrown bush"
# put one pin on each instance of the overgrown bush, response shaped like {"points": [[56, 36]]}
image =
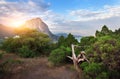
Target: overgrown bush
{"points": [[59, 55], [104, 51], [30, 43], [94, 71], [26, 52]]}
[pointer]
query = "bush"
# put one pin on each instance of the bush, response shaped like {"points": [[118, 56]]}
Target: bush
{"points": [[94, 71], [59, 55], [103, 75], [29, 41], [84, 64], [26, 52]]}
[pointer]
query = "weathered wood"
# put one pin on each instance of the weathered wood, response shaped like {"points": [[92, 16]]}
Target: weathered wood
{"points": [[79, 58], [73, 52], [70, 57]]}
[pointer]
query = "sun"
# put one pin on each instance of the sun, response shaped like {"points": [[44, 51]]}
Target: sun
{"points": [[17, 24]]}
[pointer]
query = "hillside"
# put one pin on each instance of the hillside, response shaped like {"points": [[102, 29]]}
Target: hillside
{"points": [[6, 31]]}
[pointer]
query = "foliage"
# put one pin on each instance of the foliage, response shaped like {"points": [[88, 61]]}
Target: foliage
{"points": [[61, 41], [59, 55], [70, 39], [30, 42], [103, 53], [103, 32], [87, 42], [94, 71], [26, 52]]}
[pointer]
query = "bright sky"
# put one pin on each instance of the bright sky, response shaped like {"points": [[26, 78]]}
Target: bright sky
{"points": [[80, 17]]}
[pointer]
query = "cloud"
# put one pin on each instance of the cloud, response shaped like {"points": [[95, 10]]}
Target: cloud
{"points": [[20, 10], [80, 22], [85, 22], [86, 28], [105, 12]]}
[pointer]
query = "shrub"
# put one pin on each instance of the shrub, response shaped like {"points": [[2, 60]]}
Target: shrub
{"points": [[103, 75], [26, 52], [84, 64], [59, 55], [94, 71], [29, 41]]}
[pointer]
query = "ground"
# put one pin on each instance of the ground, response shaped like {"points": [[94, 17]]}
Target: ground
{"points": [[38, 68]]}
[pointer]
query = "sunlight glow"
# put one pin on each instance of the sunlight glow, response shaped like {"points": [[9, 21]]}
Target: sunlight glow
{"points": [[16, 24]]}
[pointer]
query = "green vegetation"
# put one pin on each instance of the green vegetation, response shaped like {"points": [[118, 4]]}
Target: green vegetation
{"points": [[29, 43], [70, 39], [59, 55], [103, 52], [24, 51]]}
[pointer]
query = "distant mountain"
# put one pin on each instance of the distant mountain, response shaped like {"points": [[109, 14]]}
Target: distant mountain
{"points": [[38, 24], [6, 31], [78, 37], [62, 34]]}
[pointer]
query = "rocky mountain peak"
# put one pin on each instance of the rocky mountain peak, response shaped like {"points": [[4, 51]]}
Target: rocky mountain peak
{"points": [[37, 23]]}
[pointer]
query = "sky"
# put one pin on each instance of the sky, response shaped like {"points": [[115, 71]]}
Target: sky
{"points": [[79, 17]]}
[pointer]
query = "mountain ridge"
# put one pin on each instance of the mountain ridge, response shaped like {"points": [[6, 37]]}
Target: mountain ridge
{"points": [[6, 31]]}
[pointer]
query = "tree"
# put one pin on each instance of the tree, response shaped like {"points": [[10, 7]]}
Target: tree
{"points": [[104, 31], [104, 51], [70, 40], [29, 41], [61, 41]]}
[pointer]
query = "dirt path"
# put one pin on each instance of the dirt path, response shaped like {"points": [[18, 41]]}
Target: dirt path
{"points": [[38, 68]]}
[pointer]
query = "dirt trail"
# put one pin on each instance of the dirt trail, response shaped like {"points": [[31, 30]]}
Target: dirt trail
{"points": [[38, 68]]}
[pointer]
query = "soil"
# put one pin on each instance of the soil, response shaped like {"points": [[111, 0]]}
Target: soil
{"points": [[39, 68]]}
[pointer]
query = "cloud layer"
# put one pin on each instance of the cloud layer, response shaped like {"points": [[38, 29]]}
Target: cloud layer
{"points": [[20, 10], [80, 21]]}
